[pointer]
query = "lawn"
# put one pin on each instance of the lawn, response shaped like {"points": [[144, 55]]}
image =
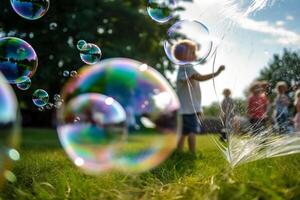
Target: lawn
{"points": [[45, 172]]}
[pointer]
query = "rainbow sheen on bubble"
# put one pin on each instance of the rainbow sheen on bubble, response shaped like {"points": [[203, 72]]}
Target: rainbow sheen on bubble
{"points": [[9, 129], [25, 85], [93, 126], [188, 42], [151, 106], [40, 97], [90, 54], [161, 11], [18, 59], [30, 9]]}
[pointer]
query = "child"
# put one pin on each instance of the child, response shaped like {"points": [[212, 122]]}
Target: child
{"points": [[228, 114], [257, 108], [189, 93], [297, 116], [281, 107], [185, 51]]}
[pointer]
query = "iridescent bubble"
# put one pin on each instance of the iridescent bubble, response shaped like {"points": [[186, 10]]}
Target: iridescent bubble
{"points": [[57, 97], [161, 10], [18, 59], [73, 73], [49, 106], [90, 54], [53, 26], [40, 98], [9, 129], [25, 85], [151, 108], [30, 9], [80, 44], [188, 42], [91, 128], [66, 73]]}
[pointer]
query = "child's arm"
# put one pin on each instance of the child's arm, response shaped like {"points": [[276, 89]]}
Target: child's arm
{"points": [[200, 77]]}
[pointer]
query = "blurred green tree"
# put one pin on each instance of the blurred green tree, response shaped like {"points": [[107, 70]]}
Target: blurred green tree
{"points": [[284, 67], [121, 28]]}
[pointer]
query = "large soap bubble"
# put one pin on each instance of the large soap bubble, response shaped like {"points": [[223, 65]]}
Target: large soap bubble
{"points": [[161, 10], [188, 42], [92, 127], [18, 59], [9, 131], [151, 108], [30, 9]]}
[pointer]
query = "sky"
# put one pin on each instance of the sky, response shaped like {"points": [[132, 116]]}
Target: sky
{"points": [[252, 31]]}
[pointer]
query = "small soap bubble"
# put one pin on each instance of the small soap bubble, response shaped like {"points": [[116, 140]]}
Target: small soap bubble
{"points": [[53, 26], [73, 73], [66, 73], [40, 98], [90, 54], [32, 9], [57, 97], [25, 85], [161, 11], [49, 106], [60, 63], [18, 59], [80, 44]]}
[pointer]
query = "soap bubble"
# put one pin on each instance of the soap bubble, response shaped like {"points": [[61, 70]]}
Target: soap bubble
{"points": [[161, 10], [92, 128], [188, 42], [80, 44], [66, 73], [18, 59], [57, 97], [73, 73], [151, 108], [90, 54], [30, 10], [25, 85], [53, 26], [40, 98], [9, 129]]}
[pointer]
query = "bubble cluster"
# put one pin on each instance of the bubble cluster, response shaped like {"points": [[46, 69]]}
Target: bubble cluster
{"points": [[161, 10], [18, 59], [30, 9], [40, 98], [89, 53], [9, 130], [138, 141], [25, 85], [188, 42]]}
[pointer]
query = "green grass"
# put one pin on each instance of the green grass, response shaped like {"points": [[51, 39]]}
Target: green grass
{"points": [[45, 172]]}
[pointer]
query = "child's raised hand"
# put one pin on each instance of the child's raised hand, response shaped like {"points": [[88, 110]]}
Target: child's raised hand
{"points": [[221, 68]]}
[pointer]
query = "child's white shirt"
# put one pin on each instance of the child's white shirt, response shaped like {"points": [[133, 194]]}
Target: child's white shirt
{"points": [[188, 90]]}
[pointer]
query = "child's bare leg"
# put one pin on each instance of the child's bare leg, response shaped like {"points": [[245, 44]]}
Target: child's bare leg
{"points": [[192, 143], [181, 143]]}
